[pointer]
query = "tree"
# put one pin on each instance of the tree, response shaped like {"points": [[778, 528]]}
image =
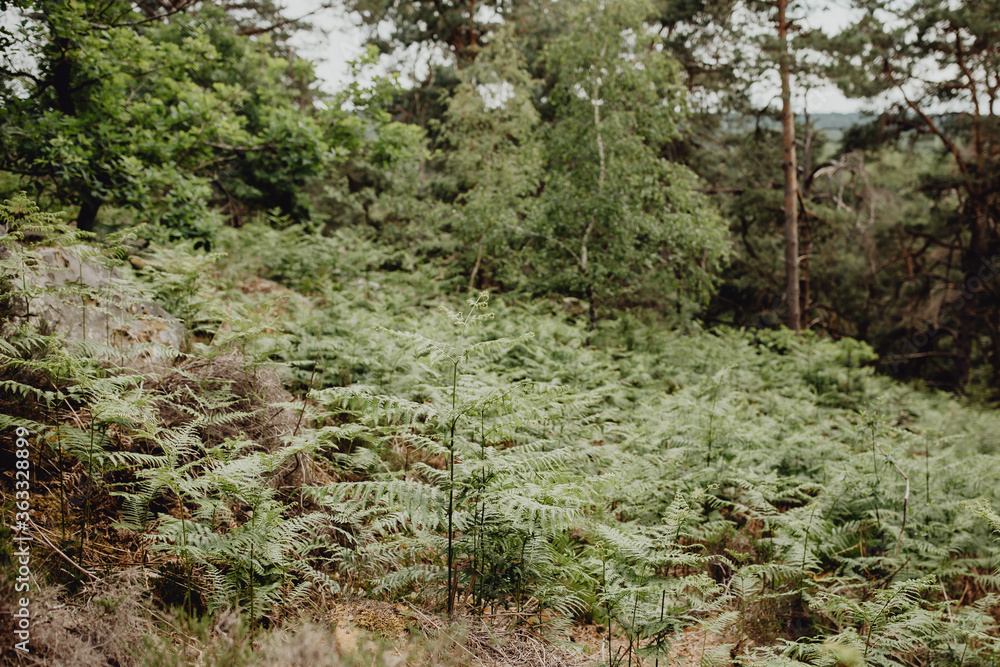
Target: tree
{"points": [[445, 35], [554, 127], [619, 220], [711, 41], [888, 51], [161, 117], [728, 47], [462, 26], [494, 159]]}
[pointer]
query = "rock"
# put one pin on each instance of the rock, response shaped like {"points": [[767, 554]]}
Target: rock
{"points": [[84, 300]]}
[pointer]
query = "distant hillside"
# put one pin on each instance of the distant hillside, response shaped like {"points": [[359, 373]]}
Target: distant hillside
{"points": [[836, 121], [833, 125]]}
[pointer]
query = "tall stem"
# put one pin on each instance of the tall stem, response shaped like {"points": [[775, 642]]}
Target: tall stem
{"points": [[663, 599], [90, 482], [479, 544], [62, 481], [711, 424], [878, 481], [927, 477], [601, 177], [190, 566], [631, 636], [794, 318], [83, 302], [451, 487]]}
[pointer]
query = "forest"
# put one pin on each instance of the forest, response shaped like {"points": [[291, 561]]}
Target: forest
{"points": [[557, 333]]}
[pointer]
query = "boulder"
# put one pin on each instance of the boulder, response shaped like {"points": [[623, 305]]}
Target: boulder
{"points": [[84, 300]]}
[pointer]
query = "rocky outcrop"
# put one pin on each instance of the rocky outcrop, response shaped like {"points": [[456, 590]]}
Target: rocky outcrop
{"points": [[84, 300]]}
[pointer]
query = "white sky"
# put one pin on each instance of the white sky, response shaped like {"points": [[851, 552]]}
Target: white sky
{"points": [[344, 38], [338, 40]]}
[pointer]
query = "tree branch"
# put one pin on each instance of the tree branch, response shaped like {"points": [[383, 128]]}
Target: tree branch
{"points": [[929, 122], [973, 85]]}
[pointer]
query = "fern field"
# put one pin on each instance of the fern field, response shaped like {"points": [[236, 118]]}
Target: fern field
{"points": [[343, 424]]}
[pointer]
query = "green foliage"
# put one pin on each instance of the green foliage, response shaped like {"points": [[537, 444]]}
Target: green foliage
{"points": [[158, 117], [640, 229], [764, 492], [552, 172], [501, 506], [246, 560], [798, 514], [494, 161], [952, 119]]}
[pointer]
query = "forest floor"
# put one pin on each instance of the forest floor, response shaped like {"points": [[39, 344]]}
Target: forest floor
{"points": [[278, 492]]}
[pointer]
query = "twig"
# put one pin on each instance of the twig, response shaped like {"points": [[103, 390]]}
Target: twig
{"points": [[183, 636], [76, 417], [308, 389], [442, 631], [947, 602], [906, 498], [56, 549], [887, 579], [544, 639]]}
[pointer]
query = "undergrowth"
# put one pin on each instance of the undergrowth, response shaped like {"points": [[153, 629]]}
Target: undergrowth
{"points": [[335, 429]]}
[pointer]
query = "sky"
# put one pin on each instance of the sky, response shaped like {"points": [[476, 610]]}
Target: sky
{"points": [[342, 42], [340, 39]]}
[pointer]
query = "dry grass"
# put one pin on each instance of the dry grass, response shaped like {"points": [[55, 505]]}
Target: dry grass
{"points": [[102, 624], [359, 632], [430, 642]]}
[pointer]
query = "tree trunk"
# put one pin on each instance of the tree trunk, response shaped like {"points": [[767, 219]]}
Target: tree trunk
{"points": [[805, 230], [805, 234], [62, 78], [993, 324], [974, 262], [793, 318], [88, 214]]}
